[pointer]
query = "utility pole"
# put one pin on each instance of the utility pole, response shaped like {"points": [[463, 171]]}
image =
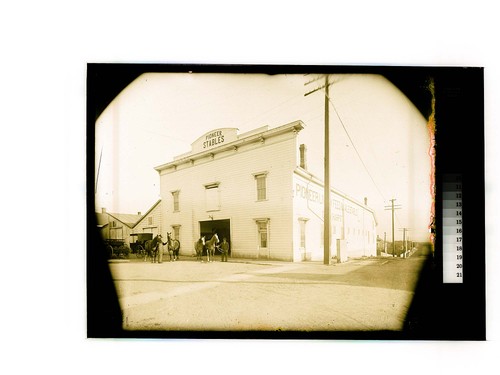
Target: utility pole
{"points": [[393, 207], [326, 194], [404, 240], [385, 243], [406, 236], [326, 183]]}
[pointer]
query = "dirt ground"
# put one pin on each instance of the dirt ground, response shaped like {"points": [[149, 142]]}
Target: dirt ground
{"points": [[359, 295]]}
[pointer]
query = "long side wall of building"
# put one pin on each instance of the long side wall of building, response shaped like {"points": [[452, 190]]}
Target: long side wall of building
{"points": [[231, 178], [353, 226]]}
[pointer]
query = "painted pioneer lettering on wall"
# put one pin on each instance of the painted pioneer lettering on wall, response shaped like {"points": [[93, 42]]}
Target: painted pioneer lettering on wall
{"points": [[312, 195], [308, 193], [213, 139]]}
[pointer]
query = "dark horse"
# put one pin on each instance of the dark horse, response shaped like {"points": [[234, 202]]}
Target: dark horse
{"points": [[152, 248]]}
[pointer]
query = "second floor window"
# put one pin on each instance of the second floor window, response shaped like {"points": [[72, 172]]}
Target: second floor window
{"points": [[260, 179], [212, 197], [175, 196]]}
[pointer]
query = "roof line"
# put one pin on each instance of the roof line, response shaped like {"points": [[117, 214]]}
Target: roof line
{"points": [[147, 213], [297, 125], [121, 221]]}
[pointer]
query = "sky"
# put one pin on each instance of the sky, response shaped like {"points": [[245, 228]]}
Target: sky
{"points": [[379, 143]]}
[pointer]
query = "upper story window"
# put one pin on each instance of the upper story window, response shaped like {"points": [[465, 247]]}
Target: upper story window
{"points": [[261, 181], [150, 220], [175, 196], [212, 196]]}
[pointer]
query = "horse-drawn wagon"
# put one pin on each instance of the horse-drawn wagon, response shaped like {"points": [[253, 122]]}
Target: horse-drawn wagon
{"points": [[139, 245], [117, 248]]}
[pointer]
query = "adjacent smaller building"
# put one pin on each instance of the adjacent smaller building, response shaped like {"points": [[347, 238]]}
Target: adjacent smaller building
{"points": [[115, 226], [150, 222]]}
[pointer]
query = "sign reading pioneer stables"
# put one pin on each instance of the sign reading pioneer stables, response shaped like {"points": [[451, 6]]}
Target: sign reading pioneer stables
{"points": [[214, 138]]}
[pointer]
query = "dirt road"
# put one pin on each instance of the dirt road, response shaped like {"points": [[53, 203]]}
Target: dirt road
{"points": [[360, 295]]}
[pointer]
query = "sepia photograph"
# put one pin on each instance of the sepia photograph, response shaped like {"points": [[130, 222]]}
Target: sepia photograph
{"points": [[264, 187], [278, 202]]}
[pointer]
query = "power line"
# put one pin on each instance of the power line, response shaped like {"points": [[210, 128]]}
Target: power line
{"points": [[98, 171], [271, 109], [355, 149]]}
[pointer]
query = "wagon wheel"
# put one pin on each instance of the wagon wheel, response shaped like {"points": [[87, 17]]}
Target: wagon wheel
{"points": [[109, 250], [123, 251], [140, 252]]}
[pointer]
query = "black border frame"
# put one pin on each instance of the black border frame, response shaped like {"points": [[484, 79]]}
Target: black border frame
{"points": [[438, 311]]}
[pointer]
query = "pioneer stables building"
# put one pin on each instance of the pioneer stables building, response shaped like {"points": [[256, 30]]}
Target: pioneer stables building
{"points": [[254, 189]]}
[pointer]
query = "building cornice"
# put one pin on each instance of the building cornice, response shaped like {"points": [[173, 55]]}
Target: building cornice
{"points": [[260, 137]]}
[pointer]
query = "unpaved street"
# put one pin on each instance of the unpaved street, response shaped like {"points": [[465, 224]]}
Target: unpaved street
{"points": [[360, 295]]}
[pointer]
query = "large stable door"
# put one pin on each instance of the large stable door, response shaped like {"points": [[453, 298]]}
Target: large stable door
{"points": [[221, 227]]}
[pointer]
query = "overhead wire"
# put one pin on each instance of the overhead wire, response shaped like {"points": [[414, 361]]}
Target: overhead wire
{"points": [[355, 148], [360, 158]]}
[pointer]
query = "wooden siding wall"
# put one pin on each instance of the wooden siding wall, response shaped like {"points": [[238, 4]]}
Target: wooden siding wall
{"points": [[234, 171], [143, 226], [357, 222]]}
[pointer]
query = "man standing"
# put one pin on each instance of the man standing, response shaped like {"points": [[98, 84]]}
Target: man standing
{"points": [[160, 249], [225, 249]]}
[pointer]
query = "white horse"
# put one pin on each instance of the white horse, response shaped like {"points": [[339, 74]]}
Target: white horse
{"points": [[211, 243], [173, 246]]}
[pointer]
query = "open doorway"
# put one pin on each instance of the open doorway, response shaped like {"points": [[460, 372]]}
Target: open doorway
{"points": [[221, 227]]}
